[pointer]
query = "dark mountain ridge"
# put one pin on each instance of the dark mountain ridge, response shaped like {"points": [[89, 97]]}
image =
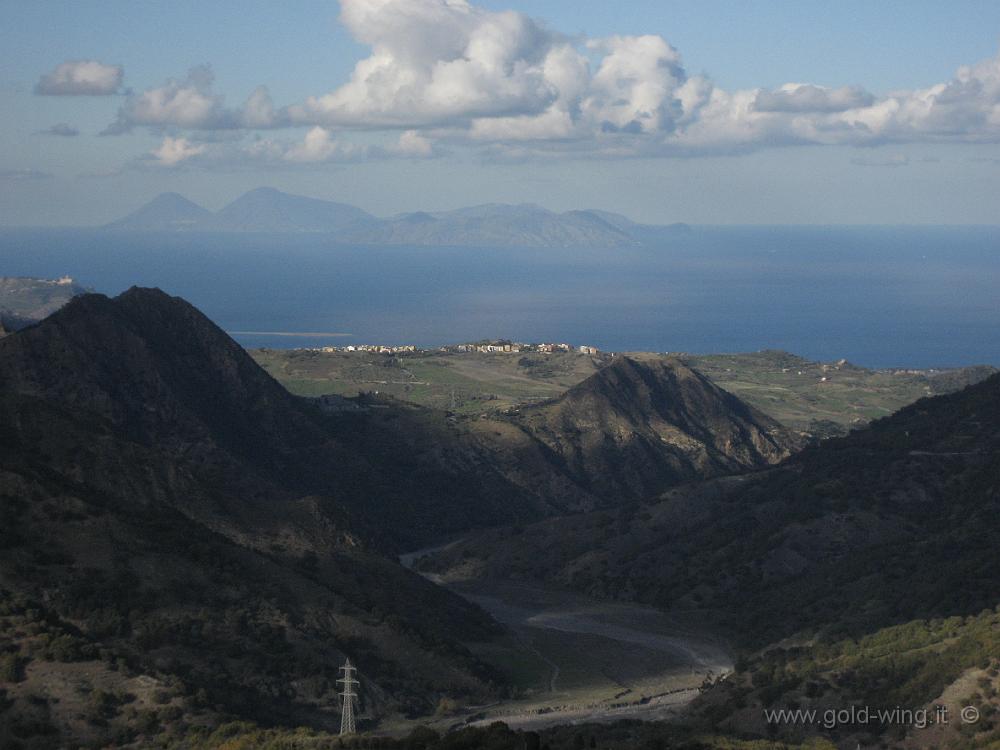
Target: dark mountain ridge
{"points": [[859, 572], [173, 517], [165, 502], [635, 428], [889, 523]]}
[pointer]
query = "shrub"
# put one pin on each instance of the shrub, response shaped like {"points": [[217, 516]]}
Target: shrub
{"points": [[446, 707], [12, 668]]}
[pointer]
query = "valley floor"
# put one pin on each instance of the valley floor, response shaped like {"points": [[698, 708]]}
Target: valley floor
{"points": [[582, 660]]}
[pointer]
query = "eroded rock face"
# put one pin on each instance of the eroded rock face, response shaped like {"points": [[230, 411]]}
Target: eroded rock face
{"points": [[636, 428]]}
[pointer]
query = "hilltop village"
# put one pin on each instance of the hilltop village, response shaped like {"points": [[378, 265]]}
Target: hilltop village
{"points": [[487, 347]]}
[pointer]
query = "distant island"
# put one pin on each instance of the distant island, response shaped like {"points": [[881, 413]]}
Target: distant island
{"points": [[266, 210]]}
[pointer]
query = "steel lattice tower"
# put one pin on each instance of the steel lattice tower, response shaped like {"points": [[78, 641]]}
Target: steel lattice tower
{"points": [[349, 696]]}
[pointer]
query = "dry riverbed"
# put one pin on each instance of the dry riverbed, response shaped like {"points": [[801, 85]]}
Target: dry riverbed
{"points": [[580, 660]]}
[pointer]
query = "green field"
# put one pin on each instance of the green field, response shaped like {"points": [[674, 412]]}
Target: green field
{"points": [[464, 383], [814, 397]]}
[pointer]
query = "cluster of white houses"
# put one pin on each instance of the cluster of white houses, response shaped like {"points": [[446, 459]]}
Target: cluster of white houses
{"points": [[507, 347], [493, 347], [377, 348]]}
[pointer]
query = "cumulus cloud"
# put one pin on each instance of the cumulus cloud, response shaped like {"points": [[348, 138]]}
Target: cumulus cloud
{"points": [[805, 97], [81, 78], [437, 61], [173, 151], [412, 144], [689, 116], [62, 129], [319, 146], [452, 71], [259, 111], [446, 73], [190, 103], [634, 88]]}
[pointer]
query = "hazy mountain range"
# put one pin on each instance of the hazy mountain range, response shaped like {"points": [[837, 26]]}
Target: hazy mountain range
{"points": [[494, 225]]}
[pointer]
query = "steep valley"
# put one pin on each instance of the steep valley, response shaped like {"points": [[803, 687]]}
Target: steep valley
{"points": [[172, 515], [186, 543]]}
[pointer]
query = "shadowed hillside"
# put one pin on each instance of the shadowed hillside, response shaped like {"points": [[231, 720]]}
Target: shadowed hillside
{"points": [[634, 429], [864, 567], [171, 511], [827, 539]]}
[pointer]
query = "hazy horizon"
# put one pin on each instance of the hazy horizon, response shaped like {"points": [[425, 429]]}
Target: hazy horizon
{"points": [[220, 203], [880, 297], [851, 114]]}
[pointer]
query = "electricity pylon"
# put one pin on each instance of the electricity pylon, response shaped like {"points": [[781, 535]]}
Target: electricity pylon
{"points": [[349, 696]]}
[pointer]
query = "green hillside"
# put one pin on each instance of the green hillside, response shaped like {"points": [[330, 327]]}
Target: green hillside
{"points": [[819, 398]]}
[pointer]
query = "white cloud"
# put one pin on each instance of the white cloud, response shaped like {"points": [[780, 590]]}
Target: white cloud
{"points": [[455, 71], [634, 86], [190, 103], [805, 97], [438, 61], [412, 144], [81, 78], [187, 103], [173, 151], [447, 72], [452, 71], [258, 111], [319, 146]]}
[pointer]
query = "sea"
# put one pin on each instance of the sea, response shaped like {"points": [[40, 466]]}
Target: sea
{"points": [[907, 297]]}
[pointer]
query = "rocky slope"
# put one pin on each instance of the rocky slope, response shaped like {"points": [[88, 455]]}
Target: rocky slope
{"points": [[634, 428], [169, 510], [861, 571], [889, 523]]}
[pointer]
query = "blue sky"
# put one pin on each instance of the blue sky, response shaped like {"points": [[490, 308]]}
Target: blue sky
{"points": [[665, 111]]}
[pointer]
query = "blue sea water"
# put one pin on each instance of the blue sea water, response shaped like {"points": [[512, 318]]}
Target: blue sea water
{"points": [[879, 296]]}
